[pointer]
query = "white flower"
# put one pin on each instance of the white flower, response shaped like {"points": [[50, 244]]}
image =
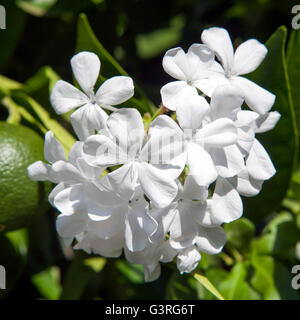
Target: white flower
{"points": [[197, 136], [90, 116], [126, 126], [247, 57], [189, 68]]}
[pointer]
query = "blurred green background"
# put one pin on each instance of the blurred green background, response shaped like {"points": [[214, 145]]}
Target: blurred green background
{"points": [[257, 261]]}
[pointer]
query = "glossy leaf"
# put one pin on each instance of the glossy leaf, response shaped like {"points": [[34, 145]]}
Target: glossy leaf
{"points": [[281, 142], [48, 283], [235, 286], [279, 237], [272, 279], [208, 285], [293, 65], [240, 233]]}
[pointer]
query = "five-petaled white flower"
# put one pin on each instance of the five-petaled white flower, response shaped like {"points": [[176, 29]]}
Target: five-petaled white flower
{"points": [[90, 116]]}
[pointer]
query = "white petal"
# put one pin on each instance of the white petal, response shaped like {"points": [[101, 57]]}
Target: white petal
{"points": [[64, 97], [215, 78], [157, 185], [259, 164], [123, 180], [257, 98], [247, 186], [205, 218], [191, 113], [88, 119], [164, 125], [100, 150], [66, 172], [70, 226], [127, 126], [39, 171], [200, 58], [114, 91], [87, 171], [229, 160], [193, 191], [200, 164], [152, 272], [188, 259], [53, 150], [70, 200], [176, 64], [174, 93], [218, 40], [55, 191], [267, 122], [75, 153], [226, 101], [246, 118], [248, 56], [221, 132], [86, 68], [135, 237], [211, 240], [226, 205]]}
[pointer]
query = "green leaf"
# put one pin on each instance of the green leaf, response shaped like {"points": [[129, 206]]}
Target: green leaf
{"points": [[240, 233], [47, 283], [279, 237], [281, 143], [235, 286], [208, 285], [66, 139], [293, 65], [215, 276], [181, 287], [152, 44], [36, 7], [133, 272], [87, 41], [272, 279]]}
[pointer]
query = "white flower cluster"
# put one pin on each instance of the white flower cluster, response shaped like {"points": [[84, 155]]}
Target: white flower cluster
{"points": [[164, 192]]}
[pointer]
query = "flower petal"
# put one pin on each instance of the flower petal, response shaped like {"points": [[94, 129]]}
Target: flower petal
{"points": [[88, 119], [66, 172], [86, 68], [100, 150], [53, 150], [123, 181], [114, 91], [191, 113], [126, 125], [211, 240], [65, 97], [188, 259], [200, 164], [39, 171], [229, 160], [257, 98], [135, 237], [175, 63], [70, 200], [221, 132], [248, 56], [157, 185], [218, 40], [226, 101], [259, 164], [226, 205], [174, 93], [267, 122]]}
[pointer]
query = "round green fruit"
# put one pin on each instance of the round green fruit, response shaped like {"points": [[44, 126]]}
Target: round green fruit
{"points": [[21, 199]]}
